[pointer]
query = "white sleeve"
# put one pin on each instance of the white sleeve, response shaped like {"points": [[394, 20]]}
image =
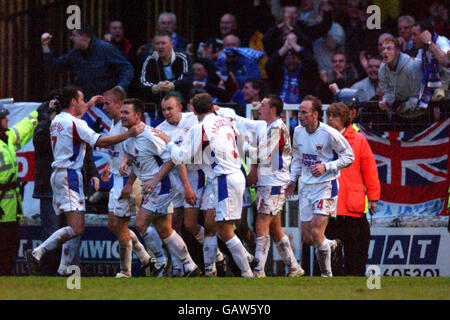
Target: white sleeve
{"points": [[83, 133], [190, 151], [159, 147], [345, 153], [296, 164]]}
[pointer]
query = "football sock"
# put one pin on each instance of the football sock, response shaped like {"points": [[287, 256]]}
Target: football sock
{"points": [[139, 249], [240, 256], [176, 245], [54, 241], [154, 244], [125, 257], [287, 254], [201, 235], [323, 255], [332, 244], [210, 253], [261, 251], [70, 249], [219, 255]]}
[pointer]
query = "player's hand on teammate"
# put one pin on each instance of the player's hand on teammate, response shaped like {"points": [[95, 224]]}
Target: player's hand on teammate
{"points": [[126, 191], [96, 183], [318, 169], [290, 188], [161, 135], [95, 100], [137, 129], [189, 195], [123, 169], [150, 185]]}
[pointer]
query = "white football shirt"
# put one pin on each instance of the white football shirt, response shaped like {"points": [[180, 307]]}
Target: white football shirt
{"points": [[325, 145], [116, 151], [211, 144], [69, 136]]}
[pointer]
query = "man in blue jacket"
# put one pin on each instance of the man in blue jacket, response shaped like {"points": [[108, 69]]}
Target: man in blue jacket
{"points": [[97, 66]]}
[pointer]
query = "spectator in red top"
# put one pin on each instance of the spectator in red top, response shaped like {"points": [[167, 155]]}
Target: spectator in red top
{"points": [[355, 182], [117, 38]]}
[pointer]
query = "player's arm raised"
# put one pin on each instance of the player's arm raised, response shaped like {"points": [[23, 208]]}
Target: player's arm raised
{"points": [[105, 141]]}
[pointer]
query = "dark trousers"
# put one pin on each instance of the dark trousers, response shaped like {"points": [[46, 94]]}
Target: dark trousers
{"points": [[9, 247], [355, 236]]}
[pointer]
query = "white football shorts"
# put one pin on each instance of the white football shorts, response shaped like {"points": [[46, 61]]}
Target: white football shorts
{"points": [[68, 195], [228, 193], [270, 200], [119, 207], [162, 197], [320, 198], [197, 180]]}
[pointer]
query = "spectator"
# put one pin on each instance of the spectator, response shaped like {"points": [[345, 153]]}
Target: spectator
{"points": [[433, 51], [97, 65], [165, 70], [205, 78], [228, 25], [380, 41], [439, 17], [253, 90], [274, 38], [405, 24], [167, 22], [210, 49], [343, 73], [116, 37], [324, 48], [236, 65], [292, 72], [355, 182], [359, 39], [307, 13], [399, 79], [368, 87]]}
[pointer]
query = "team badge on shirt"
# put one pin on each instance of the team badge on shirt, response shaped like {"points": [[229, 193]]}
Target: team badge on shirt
{"points": [[319, 147]]}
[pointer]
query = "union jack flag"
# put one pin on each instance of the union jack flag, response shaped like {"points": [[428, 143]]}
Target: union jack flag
{"points": [[413, 166]]}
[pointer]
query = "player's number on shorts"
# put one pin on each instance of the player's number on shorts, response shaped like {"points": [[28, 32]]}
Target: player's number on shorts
{"points": [[320, 205], [54, 142]]}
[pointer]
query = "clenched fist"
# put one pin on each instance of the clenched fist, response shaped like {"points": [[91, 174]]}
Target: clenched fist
{"points": [[46, 38]]}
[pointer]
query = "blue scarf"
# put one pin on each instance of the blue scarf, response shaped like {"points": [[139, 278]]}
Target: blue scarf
{"points": [[431, 79], [290, 90]]}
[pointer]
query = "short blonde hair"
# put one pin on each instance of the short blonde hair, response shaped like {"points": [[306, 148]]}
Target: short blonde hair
{"points": [[118, 93]]}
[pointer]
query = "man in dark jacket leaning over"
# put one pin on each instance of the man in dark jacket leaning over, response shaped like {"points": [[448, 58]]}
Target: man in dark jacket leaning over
{"points": [[97, 65], [165, 70]]}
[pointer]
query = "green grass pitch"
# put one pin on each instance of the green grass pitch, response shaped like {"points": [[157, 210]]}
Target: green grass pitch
{"points": [[276, 288]]}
